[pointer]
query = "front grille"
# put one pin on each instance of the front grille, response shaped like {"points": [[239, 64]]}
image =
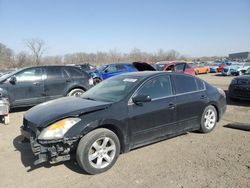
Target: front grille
{"points": [[242, 93]]}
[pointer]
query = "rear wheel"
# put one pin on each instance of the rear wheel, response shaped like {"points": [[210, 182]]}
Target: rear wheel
{"points": [[97, 81], [76, 92], [98, 151], [209, 119]]}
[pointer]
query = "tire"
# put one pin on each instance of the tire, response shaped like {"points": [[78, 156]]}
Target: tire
{"points": [[6, 119], [196, 72], [97, 81], [92, 144], [209, 119], [76, 92]]}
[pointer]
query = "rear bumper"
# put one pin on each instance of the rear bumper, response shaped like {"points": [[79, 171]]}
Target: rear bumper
{"points": [[49, 151]]}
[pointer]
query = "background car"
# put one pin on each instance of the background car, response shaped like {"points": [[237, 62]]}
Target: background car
{"points": [[201, 68], [159, 66], [223, 64], [106, 71], [214, 67], [241, 70], [181, 67], [121, 113], [239, 87], [232, 68], [33, 85]]}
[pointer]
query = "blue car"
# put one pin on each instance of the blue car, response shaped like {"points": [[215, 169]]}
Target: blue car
{"points": [[214, 67], [106, 71]]}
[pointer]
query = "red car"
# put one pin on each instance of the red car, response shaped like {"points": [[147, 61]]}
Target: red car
{"points": [[183, 67]]}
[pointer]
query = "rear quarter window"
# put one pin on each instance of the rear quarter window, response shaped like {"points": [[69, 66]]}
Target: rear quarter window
{"points": [[74, 72], [200, 84], [184, 84]]}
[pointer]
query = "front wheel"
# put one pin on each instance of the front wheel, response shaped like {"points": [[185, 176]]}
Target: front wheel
{"points": [[209, 119], [98, 151]]}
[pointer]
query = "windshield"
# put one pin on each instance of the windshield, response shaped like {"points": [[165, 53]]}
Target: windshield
{"points": [[113, 89], [247, 64], [160, 67], [6, 75]]}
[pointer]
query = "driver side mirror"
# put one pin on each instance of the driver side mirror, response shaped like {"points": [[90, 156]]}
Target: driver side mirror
{"points": [[106, 71], [13, 80], [141, 99]]}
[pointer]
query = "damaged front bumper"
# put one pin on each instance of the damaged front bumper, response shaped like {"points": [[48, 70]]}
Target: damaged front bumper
{"points": [[53, 151]]}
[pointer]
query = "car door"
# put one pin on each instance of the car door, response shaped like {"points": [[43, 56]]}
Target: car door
{"points": [[28, 89], [190, 100], [56, 82], [153, 120]]}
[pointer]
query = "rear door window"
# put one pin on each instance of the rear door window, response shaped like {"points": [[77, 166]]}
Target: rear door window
{"points": [[55, 73], [184, 84], [200, 84]]}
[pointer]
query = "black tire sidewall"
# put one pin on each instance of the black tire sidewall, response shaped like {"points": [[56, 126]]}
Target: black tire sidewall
{"points": [[85, 144], [203, 128]]}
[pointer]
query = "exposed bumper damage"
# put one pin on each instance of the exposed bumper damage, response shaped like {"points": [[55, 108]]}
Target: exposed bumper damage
{"points": [[49, 151]]}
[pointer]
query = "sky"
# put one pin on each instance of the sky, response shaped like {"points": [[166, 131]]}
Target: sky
{"points": [[192, 27]]}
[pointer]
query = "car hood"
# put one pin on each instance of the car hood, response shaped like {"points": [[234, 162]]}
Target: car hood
{"points": [[143, 66], [44, 114], [244, 77]]}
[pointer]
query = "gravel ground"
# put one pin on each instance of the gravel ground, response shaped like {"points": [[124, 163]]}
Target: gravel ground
{"points": [[218, 159]]}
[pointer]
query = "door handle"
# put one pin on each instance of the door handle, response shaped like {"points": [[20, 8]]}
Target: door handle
{"points": [[171, 106], [203, 97]]}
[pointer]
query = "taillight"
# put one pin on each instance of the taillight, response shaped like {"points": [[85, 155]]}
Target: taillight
{"points": [[91, 81]]}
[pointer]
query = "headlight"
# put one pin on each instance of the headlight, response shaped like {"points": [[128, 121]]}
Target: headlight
{"points": [[234, 81], [58, 129]]}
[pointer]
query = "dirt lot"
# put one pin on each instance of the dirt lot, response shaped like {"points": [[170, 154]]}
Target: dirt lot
{"points": [[218, 159]]}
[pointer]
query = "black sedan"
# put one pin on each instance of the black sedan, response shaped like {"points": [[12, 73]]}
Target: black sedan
{"points": [[239, 87], [119, 114]]}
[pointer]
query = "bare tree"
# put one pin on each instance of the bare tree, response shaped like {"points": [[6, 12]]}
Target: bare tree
{"points": [[6, 57], [37, 48]]}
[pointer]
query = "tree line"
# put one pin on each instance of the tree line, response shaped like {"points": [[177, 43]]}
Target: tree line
{"points": [[37, 48]]}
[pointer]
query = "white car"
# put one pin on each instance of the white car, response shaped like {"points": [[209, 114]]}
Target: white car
{"points": [[242, 69]]}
